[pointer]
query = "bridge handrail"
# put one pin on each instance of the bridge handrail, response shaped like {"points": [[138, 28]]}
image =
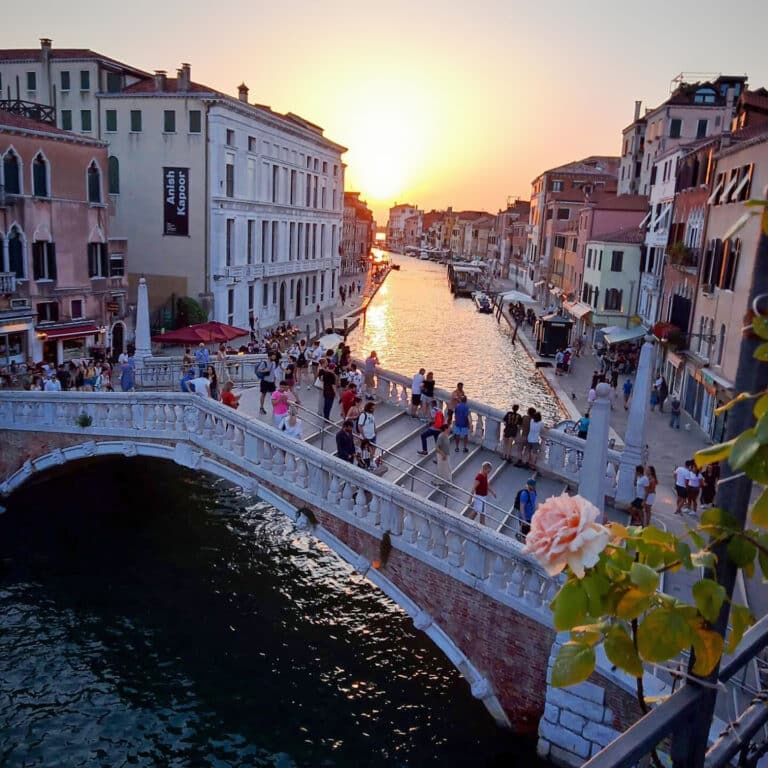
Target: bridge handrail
{"points": [[445, 539]]}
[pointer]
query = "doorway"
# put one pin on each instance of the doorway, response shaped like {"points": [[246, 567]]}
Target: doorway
{"points": [[118, 339], [282, 302]]}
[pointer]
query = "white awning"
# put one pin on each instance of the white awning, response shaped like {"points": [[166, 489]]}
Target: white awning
{"points": [[516, 296], [731, 184], [743, 183], [624, 334], [577, 308], [539, 284], [645, 220], [715, 192]]}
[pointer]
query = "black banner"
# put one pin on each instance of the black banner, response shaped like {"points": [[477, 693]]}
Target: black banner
{"points": [[176, 201]]}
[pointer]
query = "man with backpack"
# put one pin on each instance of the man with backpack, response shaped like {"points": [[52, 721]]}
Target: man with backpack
{"points": [[525, 505]]}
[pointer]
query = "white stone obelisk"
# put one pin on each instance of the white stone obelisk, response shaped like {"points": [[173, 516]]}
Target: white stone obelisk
{"points": [[143, 342], [592, 475], [634, 439]]}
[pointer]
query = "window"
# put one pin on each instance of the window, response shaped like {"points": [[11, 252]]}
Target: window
{"points": [[600, 262], [251, 298], [113, 175], [230, 241], [675, 128], [617, 259], [322, 198], [136, 120], [701, 129], [76, 309], [12, 173], [264, 236], [116, 265], [65, 84], [325, 167], [94, 183], [335, 170], [229, 172], [85, 80], [43, 261], [563, 214], [274, 241], [264, 295], [169, 121], [744, 184], [548, 215], [249, 245], [293, 187], [721, 345], [111, 120], [731, 253], [39, 176], [556, 186], [274, 293], [114, 82], [98, 260], [85, 120], [252, 180], [48, 312], [230, 137], [613, 300], [66, 119], [195, 121], [275, 183], [252, 144], [309, 188], [31, 81], [16, 254], [231, 306]]}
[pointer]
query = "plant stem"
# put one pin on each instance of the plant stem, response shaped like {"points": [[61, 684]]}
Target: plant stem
{"points": [[641, 695]]}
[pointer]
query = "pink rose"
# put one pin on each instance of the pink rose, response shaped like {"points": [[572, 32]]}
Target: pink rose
{"points": [[564, 532]]}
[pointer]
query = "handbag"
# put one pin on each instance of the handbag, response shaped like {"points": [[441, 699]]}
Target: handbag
{"points": [[318, 383]]}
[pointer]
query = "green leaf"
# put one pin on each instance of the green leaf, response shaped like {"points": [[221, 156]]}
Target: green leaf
{"points": [[740, 620], [744, 449], [760, 326], [574, 663], [757, 467], [704, 560], [762, 558], [683, 552], [569, 606], [708, 647], [761, 428], [632, 603], [720, 519], [644, 578], [620, 651], [761, 353], [591, 634], [741, 551], [761, 406], [596, 587], [709, 596], [759, 512], [713, 453], [696, 538], [662, 634]]}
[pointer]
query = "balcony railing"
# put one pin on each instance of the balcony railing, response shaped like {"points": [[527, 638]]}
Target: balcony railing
{"points": [[7, 282]]}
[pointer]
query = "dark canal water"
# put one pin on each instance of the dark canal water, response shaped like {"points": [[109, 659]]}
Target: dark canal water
{"points": [[153, 617]]}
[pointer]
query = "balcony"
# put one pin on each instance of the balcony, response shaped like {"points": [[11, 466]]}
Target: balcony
{"points": [[7, 283], [683, 257]]}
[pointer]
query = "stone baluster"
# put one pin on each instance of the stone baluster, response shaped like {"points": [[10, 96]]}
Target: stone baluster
{"points": [[207, 426], [361, 504], [423, 534], [532, 587], [265, 454], [517, 575], [218, 430], [404, 399], [334, 491], [170, 419], [290, 466], [477, 434], [238, 443], [392, 396], [347, 497], [374, 511], [455, 549], [149, 417], [179, 412], [498, 572], [439, 543], [229, 436], [555, 459], [160, 423], [409, 531], [382, 389], [492, 434], [137, 414], [126, 416], [278, 462], [392, 518], [302, 477]]}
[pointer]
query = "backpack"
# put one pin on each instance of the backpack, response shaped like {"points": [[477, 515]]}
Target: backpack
{"points": [[262, 371], [516, 505]]}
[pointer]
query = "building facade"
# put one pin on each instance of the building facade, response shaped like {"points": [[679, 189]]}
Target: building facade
{"points": [[62, 280], [358, 233], [398, 214]]}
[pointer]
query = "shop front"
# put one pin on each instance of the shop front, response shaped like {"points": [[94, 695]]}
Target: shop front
{"points": [[16, 330], [704, 392], [61, 344]]}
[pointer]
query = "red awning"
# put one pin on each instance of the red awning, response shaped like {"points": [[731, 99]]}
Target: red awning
{"points": [[73, 331], [205, 332]]}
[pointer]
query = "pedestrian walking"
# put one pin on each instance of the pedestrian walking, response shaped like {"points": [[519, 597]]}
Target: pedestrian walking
{"points": [[442, 451], [582, 426], [416, 384], [675, 408], [627, 389], [366, 423], [453, 402], [280, 403], [461, 424], [329, 380], [533, 445], [709, 478], [681, 475], [202, 356], [266, 374], [522, 436], [480, 492], [369, 372], [650, 496], [511, 422], [695, 480], [345, 442], [525, 504]]}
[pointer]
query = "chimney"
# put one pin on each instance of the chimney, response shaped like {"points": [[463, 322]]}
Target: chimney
{"points": [[184, 78], [45, 49], [638, 104], [160, 80], [242, 92]]}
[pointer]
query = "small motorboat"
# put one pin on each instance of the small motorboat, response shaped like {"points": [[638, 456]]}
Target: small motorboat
{"points": [[395, 266], [482, 302]]}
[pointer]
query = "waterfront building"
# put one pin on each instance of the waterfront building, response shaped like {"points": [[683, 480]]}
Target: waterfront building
{"points": [[62, 279], [511, 238], [483, 239], [358, 232], [740, 171], [412, 231], [398, 214], [584, 177], [432, 229], [246, 214], [694, 110], [611, 278]]}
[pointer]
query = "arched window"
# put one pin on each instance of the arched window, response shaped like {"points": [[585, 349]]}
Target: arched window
{"points": [[94, 183], [16, 253], [113, 176], [12, 173], [40, 176], [721, 345]]}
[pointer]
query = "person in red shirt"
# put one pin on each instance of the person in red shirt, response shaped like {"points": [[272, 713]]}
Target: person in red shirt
{"points": [[480, 492], [228, 397], [348, 398]]}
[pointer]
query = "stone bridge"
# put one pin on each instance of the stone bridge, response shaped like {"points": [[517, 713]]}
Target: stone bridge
{"points": [[482, 601]]}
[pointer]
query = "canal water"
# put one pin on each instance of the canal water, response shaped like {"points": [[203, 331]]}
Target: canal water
{"points": [[151, 616], [415, 322]]}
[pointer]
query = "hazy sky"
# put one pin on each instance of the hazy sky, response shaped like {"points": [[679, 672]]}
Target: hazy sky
{"points": [[440, 103]]}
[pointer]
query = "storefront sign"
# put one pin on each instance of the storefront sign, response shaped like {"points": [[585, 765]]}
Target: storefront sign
{"points": [[176, 201], [705, 381], [113, 306]]}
